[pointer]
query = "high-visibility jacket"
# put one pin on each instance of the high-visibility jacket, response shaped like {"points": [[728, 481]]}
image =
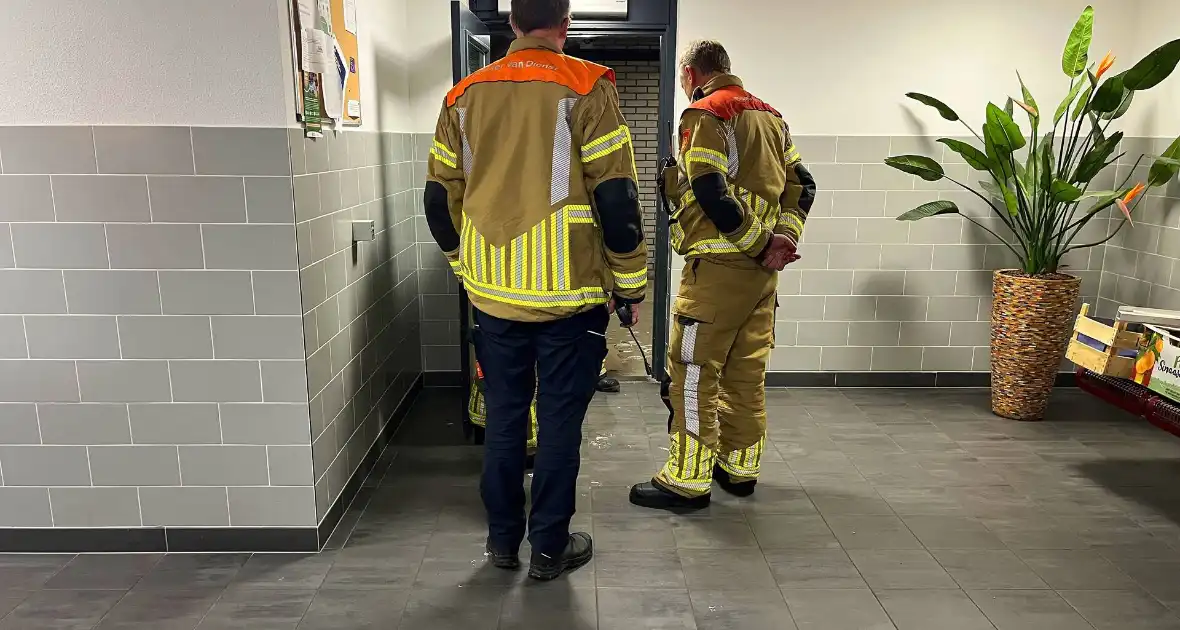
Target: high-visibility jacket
{"points": [[524, 149], [731, 132]]}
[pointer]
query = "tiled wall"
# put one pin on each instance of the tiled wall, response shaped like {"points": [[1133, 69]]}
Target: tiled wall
{"points": [[1142, 261], [151, 351], [360, 300], [639, 94], [437, 284]]}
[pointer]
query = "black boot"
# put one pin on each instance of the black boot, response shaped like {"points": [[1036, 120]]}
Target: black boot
{"points": [[608, 384], [503, 559], [736, 488], [653, 494], [578, 552]]}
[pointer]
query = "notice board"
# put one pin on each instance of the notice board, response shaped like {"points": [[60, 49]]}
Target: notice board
{"points": [[345, 27]]}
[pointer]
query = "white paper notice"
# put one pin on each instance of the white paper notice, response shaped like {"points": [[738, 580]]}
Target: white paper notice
{"points": [[350, 16], [354, 109], [334, 81], [317, 52], [306, 13], [324, 15]]}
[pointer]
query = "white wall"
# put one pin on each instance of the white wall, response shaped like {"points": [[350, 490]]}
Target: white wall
{"points": [[430, 61], [384, 52], [843, 66], [143, 62]]}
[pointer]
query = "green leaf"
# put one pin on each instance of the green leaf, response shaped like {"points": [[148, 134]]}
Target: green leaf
{"points": [[975, 158], [919, 165], [1077, 47], [991, 189], [944, 110], [1128, 96], [1155, 67], [1010, 200], [1010, 107], [1045, 151], [1109, 95], [1005, 132], [1082, 103], [1095, 160], [1165, 167], [1064, 192], [932, 209], [1064, 106], [1028, 97]]}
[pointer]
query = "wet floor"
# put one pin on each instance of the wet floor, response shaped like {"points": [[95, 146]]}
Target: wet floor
{"points": [[623, 359]]}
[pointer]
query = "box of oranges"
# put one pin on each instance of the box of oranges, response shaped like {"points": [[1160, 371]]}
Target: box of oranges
{"points": [[1158, 364]]}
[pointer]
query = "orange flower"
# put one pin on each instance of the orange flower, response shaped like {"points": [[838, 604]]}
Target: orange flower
{"points": [[1028, 108], [1135, 192], [1105, 64], [1126, 211]]}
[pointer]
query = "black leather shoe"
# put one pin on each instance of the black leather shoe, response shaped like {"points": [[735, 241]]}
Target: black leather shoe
{"points": [[736, 488], [609, 385], [653, 494], [578, 552], [503, 560]]}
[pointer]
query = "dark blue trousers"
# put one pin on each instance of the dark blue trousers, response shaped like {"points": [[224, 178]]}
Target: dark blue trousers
{"points": [[560, 361]]}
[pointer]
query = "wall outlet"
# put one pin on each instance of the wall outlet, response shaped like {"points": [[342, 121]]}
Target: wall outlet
{"points": [[364, 230]]}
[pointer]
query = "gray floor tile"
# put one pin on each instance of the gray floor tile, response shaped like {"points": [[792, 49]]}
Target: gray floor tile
{"points": [[900, 568], [730, 569], [932, 610], [1122, 610], [350, 609], [1075, 569], [778, 500], [382, 567], [837, 610], [952, 532], [814, 569], [10, 600], [781, 531], [270, 608], [462, 567], [61, 610], [452, 609], [628, 609], [848, 499], [104, 571], [713, 533], [161, 610], [536, 606], [633, 569], [180, 571], [872, 532], [1028, 610], [640, 532], [748, 610], [988, 569], [29, 572], [284, 570]]}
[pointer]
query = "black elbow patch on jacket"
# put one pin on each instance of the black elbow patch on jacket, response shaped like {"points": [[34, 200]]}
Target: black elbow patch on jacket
{"points": [[713, 194], [617, 201], [438, 216], [808, 182]]}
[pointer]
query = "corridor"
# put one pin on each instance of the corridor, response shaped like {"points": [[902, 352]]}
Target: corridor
{"points": [[877, 509]]}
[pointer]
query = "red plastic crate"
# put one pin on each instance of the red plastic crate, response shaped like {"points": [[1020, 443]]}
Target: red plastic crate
{"points": [[1164, 414], [1127, 395]]}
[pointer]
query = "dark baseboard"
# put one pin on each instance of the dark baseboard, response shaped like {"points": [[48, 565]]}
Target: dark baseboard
{"points": [[443, 379], [893, 379], [207, 539]]}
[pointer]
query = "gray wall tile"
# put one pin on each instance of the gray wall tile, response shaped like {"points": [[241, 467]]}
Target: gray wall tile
{"points": [[906, 256], [197, 199], [206, 292], [12, 338], [858, 203], [815, 149], [113, 292], [134, 465], [265, 507], [184, 507], [216, 381], [970, 333], [175, 423], [899, 359], [931, 282], [59, 246], [837, 176], [874, 333], [869, 282], [250, 247], [47, 150], [7, 257], [25, 507], [284, 381], [18, 424], [316, 150], [38, 381], [902, 308], [265, 424], [953, 309], [795, 359], [277, 293], [826, 283], [846, 359], [25, 198], [45, 465], [295, 141], [124, 381], [72, 337], [157, 246], [241, 151], [165, 337], [307, 197], [936, 231], [100, 198], [882, 231], [290, 465], [223, 465], [84, 424], [857, 257], [948, 359], [269, 200], [925, 333], [144, 149], [329, 193], [95, 507], [258, 337], [823, 334], [862, 149]]}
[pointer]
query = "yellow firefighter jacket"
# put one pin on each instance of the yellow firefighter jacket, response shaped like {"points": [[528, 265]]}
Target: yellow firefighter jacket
{"points": [[731, 132], [520, 147]]}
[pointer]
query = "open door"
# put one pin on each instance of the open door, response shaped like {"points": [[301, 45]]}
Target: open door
{"points": [[471, 49]]}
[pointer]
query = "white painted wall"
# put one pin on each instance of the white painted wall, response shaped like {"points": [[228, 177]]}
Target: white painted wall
{"points": [[384, 52], [430, 61], [143, 62], [843, 66]]}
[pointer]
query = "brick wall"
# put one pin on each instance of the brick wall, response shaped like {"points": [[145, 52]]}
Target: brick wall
{"points": [[639, 96]]}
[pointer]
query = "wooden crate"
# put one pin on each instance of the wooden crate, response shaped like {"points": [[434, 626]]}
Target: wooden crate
{"points": [[1115, 340]]}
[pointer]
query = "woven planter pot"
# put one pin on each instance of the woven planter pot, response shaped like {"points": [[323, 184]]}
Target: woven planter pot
{"points": [[1031, 321]]}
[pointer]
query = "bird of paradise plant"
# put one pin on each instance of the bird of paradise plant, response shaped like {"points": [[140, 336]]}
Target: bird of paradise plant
{"points": [[1046, 200]]}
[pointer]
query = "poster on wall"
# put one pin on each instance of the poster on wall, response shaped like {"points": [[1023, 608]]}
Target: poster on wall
{"points": [[324, 35]]}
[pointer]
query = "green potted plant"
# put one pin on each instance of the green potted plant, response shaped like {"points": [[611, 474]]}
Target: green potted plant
{"points": [[1043, 202]]}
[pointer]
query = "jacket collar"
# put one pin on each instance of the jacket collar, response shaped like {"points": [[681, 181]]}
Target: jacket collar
{"points": [[716, 83], [527, 43]]}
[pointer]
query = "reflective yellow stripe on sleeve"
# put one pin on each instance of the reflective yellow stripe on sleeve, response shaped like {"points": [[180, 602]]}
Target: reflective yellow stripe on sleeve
{"points": [[747, 240], [443, 154], [792, 155], [708, 156], [607, 144], [630, 280], [792, 222]]}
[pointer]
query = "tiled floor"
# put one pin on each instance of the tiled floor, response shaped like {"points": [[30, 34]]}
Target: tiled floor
{"points": [[877, 509]]}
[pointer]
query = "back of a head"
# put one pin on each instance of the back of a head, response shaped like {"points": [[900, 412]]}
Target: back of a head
{"points": [[707, 57], [539, 15]]}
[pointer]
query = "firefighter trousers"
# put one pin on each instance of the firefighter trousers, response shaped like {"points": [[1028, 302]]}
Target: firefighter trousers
{"points": [[722, 334], [559, 361]]}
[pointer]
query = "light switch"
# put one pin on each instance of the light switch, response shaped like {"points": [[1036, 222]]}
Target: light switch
{"points": [[363, 230]]}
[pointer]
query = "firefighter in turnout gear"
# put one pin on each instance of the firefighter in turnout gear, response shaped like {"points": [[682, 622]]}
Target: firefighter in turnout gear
{"points": [[741, 200], [532, 195]]}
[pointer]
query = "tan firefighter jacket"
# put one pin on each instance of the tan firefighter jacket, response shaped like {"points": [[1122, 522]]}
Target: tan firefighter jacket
{"points": [[731, 132], [520, 147]]}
